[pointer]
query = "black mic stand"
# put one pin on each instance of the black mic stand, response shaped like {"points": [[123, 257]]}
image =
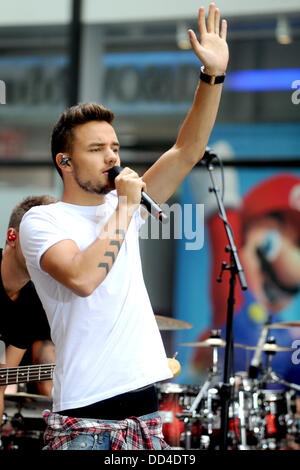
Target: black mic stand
{"points": [[235, 269]]}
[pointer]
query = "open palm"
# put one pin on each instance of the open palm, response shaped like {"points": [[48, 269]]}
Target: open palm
{"points": [[212, 49]]}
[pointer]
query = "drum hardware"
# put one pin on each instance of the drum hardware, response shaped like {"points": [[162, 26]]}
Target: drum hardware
{"points": [[242, 420], [257, 420], [271, 348], [202, 407], [273, 408], [4, 419], [242, 410], [284, 324], [173, 399], [23, 425], [273, 378]]}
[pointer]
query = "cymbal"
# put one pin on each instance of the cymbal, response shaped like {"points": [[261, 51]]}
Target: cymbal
{"points": [[209, 342], [285, 324], [167, 323], [22, 396], [267, 347], [213, 342]]}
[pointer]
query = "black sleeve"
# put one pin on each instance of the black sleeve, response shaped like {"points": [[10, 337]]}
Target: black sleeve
{"points": [[27, 321], [39, 326], [16, 335]]}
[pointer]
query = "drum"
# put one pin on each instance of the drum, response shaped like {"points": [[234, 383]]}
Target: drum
{"points": [[275, 408], [173, 400], [23, 426]]}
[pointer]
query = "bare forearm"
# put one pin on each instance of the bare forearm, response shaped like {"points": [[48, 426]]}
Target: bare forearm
{"points": [[174, 165], [189, 147], [197, 126]]}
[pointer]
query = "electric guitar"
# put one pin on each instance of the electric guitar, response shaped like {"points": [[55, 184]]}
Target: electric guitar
{"points": [[23, 374], [40, 372]]}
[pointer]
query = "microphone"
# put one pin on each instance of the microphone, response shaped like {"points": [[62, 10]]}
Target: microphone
{"points": [[208, 156], [151, 206]]}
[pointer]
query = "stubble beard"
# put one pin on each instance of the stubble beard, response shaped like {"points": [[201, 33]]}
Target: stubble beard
{"points": [[89, 187]]}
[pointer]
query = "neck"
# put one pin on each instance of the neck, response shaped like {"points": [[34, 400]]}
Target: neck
{"points": [[76, 195], [14, 275]]}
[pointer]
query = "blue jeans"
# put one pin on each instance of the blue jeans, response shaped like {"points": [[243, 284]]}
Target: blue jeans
{"points": [[102, 441]]}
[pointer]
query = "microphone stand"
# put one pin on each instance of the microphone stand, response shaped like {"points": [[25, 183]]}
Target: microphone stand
{"points": [[235, 269]]}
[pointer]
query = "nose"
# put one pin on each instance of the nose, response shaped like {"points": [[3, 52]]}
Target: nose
{"points": [[111, 157]]}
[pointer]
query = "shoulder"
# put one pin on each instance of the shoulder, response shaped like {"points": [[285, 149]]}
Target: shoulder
{"points": [[43, 211], [40, 219]]}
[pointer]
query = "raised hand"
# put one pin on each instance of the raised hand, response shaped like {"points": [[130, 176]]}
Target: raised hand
{"points": [[212, 48]]}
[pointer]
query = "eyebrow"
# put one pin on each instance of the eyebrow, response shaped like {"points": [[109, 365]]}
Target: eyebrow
{"points": [[101, 144]]}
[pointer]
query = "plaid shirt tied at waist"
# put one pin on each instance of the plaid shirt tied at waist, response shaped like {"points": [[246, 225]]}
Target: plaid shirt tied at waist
{"points": [[129, 434]]}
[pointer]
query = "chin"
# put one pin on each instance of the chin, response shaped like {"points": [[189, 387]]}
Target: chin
{"points": [[106, 190]]}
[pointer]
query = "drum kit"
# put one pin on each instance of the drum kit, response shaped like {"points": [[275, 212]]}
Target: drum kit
{"points": [[262, 411], [22, 423], [261, 416]]}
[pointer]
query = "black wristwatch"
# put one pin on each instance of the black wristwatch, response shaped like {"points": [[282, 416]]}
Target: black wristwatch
{"points": [[211, 79]]}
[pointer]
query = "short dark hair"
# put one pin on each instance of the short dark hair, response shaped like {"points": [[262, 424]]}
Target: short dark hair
{"points": [[62, 134], [22, 207]]}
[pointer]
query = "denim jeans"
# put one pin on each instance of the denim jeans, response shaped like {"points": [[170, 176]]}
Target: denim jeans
{"points": [[102, 441]]}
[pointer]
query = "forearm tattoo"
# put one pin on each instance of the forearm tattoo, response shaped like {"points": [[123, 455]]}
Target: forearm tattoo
{"points": [[112, 254]]}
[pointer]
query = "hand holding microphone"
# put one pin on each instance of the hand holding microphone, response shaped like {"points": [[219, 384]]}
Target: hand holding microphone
{"points": [[151, 206]]}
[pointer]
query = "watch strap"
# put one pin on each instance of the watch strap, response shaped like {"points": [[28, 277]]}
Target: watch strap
{"points": [[211, 79]]}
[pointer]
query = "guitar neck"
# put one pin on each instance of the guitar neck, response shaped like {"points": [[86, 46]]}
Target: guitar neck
{"points": [[23, 374]]}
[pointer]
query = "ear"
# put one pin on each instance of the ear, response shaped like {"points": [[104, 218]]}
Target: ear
{"points": [[11, 236], [63, 160]]}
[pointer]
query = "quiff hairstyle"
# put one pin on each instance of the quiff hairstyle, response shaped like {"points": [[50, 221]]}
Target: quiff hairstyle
{"points": [[22, 207], [63, 136]]}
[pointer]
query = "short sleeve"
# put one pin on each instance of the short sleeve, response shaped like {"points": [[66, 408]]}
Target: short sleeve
{"points": [[39, 230]]}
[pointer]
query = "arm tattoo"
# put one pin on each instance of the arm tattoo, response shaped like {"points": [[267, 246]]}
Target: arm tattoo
{"points": [[110, 253], [104, 265], [120, 232], [116, 243]]}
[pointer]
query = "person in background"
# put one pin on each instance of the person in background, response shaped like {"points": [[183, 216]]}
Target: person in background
{"points": [[24, 328]]}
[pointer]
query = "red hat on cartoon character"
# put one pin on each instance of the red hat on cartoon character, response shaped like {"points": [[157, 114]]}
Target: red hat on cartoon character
{"points": [[277, 194]]}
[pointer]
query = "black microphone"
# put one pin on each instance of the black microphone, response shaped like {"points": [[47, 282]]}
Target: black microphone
{"points": [[208, 156], [151, 206]]}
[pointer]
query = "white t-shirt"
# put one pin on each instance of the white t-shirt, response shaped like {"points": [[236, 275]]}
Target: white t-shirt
{"points": [[107, 343]]}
